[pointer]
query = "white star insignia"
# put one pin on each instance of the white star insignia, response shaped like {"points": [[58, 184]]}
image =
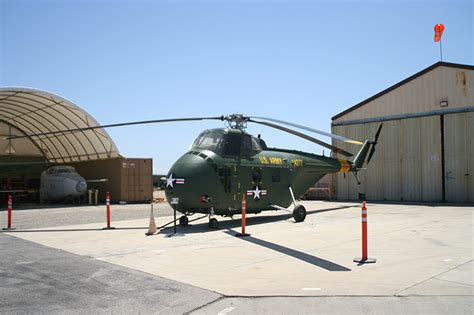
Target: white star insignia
{"points": [[257, 193], [170, 180]]}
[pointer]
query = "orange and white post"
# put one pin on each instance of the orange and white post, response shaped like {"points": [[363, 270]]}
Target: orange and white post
{"points": [[364, 259], [244, 218], [107, 209], [10, 208]]}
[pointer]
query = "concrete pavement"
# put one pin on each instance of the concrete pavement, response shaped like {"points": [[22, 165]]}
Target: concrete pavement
{"points": [[421, 250]]}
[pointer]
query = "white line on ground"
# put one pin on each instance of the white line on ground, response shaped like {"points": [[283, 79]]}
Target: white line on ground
{"points": [[226, 310]]}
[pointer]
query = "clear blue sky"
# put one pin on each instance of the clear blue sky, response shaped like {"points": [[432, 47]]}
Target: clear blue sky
{"points": [[302, 61]]}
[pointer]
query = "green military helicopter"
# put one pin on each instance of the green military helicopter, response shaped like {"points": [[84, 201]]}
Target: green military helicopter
{"points": [[223, 164]]}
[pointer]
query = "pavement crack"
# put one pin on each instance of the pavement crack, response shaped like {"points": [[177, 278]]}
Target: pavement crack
{"points": [[222, 297], [455, 282], [433, 277]]}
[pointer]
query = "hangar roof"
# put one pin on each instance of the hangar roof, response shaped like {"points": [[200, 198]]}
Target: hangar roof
{"points": [[403, 83], [31, 112]]}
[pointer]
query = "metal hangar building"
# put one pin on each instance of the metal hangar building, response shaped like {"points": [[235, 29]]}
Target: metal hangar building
{"points": [[35, 113], [426, 148]]}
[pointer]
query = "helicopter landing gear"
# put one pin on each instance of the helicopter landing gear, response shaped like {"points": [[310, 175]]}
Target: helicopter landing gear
{"points": [[299, 213], [213, 223], [184, 221], [292, 195]]}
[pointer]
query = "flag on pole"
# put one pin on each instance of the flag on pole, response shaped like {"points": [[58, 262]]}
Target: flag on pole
{"points": [[438, 28]]}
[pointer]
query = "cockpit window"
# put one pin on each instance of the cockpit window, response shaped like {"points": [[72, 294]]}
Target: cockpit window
{"points": [[227, 144], [208, 141], [63, 171], [255, 145], [232, 144]]}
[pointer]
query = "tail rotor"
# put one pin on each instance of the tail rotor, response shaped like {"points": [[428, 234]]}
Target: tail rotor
{"points": [[374, 143]]}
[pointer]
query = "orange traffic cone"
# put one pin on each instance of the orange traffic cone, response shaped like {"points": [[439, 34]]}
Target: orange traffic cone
{"points": [[152, 227]]}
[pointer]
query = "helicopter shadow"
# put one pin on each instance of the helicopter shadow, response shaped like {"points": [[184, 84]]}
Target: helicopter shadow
{"points": [[235, 223], [313, 260]]}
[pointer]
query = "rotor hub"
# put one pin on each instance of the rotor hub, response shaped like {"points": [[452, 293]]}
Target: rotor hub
{"points": [[236, 121]]}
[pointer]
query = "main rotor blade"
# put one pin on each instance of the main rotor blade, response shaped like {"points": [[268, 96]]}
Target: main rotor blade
{"points": [[327, 134], [143, 122], [302, 135]]}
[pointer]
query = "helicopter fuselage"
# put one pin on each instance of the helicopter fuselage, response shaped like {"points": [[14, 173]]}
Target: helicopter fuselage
{"points": [[203, 179]]}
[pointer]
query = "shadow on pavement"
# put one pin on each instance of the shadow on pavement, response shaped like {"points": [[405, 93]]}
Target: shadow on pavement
{"points": [[313, 260]]}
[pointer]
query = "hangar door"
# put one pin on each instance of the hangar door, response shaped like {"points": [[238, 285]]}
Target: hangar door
{"points": [[406, 165], [459, 157]]}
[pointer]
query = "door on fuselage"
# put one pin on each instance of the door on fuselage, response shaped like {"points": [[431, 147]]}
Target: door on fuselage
{"points": [[276, 178], [239, 151]]}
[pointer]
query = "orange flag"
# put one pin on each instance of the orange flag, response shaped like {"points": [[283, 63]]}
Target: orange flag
{"points": [[438, 28]]}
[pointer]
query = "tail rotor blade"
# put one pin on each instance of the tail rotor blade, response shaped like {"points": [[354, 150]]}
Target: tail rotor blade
{"points": [[378, 133], [372, 150]]}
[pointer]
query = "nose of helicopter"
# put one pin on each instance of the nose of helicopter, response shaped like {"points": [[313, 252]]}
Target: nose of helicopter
{"points": [[188, 180]]}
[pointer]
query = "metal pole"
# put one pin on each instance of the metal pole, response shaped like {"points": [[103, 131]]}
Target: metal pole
{"points": [[440, 49], [174, 208]]}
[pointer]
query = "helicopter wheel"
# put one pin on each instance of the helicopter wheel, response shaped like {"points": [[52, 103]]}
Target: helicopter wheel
{"points": [[183, 221], [213, 224], [299, 213]]}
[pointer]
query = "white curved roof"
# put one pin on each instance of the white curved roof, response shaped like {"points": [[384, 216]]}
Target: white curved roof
{"points": [[32, 111]]}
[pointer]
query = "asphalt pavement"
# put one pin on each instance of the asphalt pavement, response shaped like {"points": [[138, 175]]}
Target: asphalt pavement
{"points": [[35, 279]]}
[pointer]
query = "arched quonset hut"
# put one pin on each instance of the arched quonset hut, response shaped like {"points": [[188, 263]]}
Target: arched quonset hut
{"points": [[36, 114]]}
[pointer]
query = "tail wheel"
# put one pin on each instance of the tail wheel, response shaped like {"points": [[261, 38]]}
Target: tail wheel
{"points": [[213, 224], [299, 213]]}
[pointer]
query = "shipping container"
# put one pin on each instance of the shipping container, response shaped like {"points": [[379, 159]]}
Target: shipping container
{"points": [[129, 180]]}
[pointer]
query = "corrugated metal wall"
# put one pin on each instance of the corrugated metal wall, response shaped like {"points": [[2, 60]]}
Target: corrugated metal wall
{"points": [[470, 154], [407, 165], [421, 95], [431, 159], [459, 171]]}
